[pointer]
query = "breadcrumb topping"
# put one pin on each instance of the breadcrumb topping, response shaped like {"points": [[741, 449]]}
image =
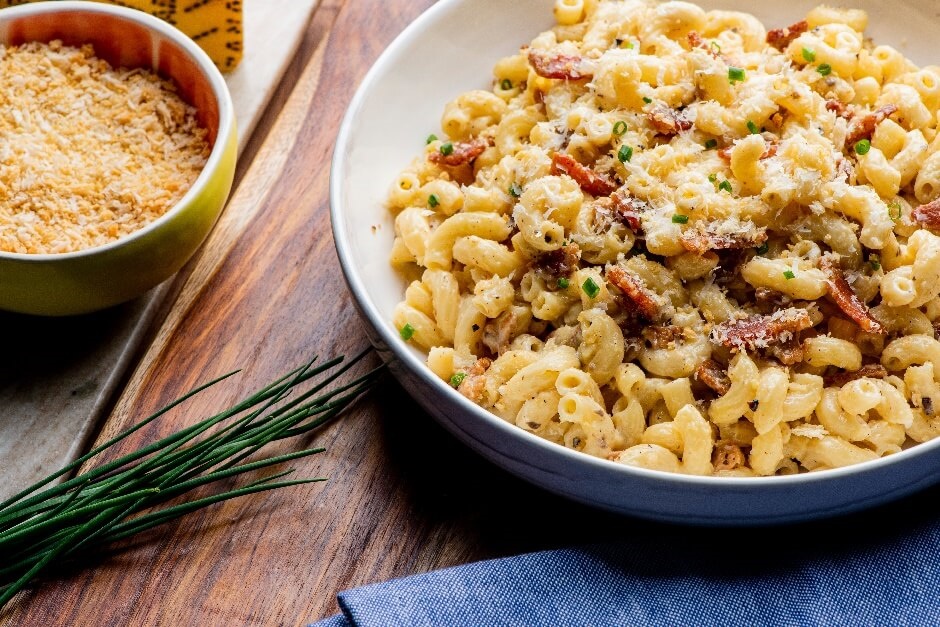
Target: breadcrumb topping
{"points": [[88, 153]]}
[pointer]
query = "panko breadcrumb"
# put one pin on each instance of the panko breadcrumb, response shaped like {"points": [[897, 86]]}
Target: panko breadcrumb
{"points": [[88, 153]]}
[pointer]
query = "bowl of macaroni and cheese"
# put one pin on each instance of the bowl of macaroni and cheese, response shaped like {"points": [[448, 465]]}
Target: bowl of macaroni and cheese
{"points": [[674, 260]]}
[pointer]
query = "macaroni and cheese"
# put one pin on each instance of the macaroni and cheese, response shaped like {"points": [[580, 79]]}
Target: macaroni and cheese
{"points": [[674, 239]]}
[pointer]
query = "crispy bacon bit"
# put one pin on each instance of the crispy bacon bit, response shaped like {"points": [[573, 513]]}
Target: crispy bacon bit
{"points": [[839, 108], [628, 208], [668, 121], [780, 38], [727, 456], [566, 66], [862, 128], [696, 41], [662, 336], [873, 371], [845, 298], [772, 297], [641, 299], [928, 215], [499, 333], [761, 331], [769, 151], [702, 238], [560, 262], [788, 353], [712, 374], [464, 152], [474, 383], [589, 180]]}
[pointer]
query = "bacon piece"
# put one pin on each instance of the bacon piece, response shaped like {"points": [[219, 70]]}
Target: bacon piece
{"points": [[839, 108], [845, 298], [862, 128], [560, 262], [464, 152], [668, 121], [772, 297], [498, 333], [628, 208], [662, 336], [788, 353], [873, 371], [474, 383], [696, 41], [566, 66], [727, 456], [928, 215], [712, 374], [761, 331], [705, 237], [780, 38], [589, 180], [642, 300]]}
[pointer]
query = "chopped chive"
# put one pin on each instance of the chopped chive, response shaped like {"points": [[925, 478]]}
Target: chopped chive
{"points": [[590, 288], [753, 128], [716, 46], [563, 283], [874, 263], [788, 274], [862, 147], [809, 55], [447, 148], [762, 249], [647, 100], [628, 45], [894, 210], [433, 201], [725, 185], [515, 191], [625, 153], [431, 138], [679, 219], [505, 84], [825, 69], [735, 75], [711, 144], [457, 379], [407, 331], [620, 128], [713, 177]]}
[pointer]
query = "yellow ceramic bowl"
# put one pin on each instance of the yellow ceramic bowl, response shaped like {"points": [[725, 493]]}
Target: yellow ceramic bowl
{"points": [[92, 279]]}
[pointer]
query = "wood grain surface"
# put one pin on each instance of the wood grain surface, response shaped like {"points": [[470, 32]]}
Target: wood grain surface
{"points": [[61, 375], [403, 496]]}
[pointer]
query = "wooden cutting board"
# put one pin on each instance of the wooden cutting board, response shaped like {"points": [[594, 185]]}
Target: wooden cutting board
{"points": [[59, 376]]}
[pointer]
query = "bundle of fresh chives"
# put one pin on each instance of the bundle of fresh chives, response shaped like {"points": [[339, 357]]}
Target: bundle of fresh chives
{"points": [[39, 527]]}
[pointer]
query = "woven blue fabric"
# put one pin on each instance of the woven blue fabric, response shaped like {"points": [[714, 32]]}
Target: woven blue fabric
{"points": [[893, 581]]}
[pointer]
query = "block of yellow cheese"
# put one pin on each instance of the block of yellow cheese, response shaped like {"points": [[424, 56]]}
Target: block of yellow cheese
{"points": [[216, 25]]}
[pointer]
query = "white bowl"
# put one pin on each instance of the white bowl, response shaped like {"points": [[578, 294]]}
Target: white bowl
{"points": [[451, 49]]}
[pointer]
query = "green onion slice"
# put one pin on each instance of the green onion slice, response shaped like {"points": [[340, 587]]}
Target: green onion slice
{"points": [[590, 288]]}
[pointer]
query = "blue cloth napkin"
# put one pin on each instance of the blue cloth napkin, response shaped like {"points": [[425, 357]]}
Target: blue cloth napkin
{"points": [[881, 577]]}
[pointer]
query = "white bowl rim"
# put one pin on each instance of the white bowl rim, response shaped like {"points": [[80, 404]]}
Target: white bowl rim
{"points": [[209, 70], [403, 353]]}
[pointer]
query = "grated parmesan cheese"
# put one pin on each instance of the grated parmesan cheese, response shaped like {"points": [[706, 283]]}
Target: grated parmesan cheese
{"points": [[88, 154]]}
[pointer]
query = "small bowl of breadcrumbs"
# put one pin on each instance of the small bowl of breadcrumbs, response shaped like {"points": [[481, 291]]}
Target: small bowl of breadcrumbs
{"points": [[117, 154]]}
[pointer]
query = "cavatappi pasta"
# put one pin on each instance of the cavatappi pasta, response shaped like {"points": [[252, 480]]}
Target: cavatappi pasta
{"points": [[674, 239]]}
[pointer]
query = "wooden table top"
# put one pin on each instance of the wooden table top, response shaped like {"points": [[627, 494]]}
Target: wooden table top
{"points": [[265, 294]]}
